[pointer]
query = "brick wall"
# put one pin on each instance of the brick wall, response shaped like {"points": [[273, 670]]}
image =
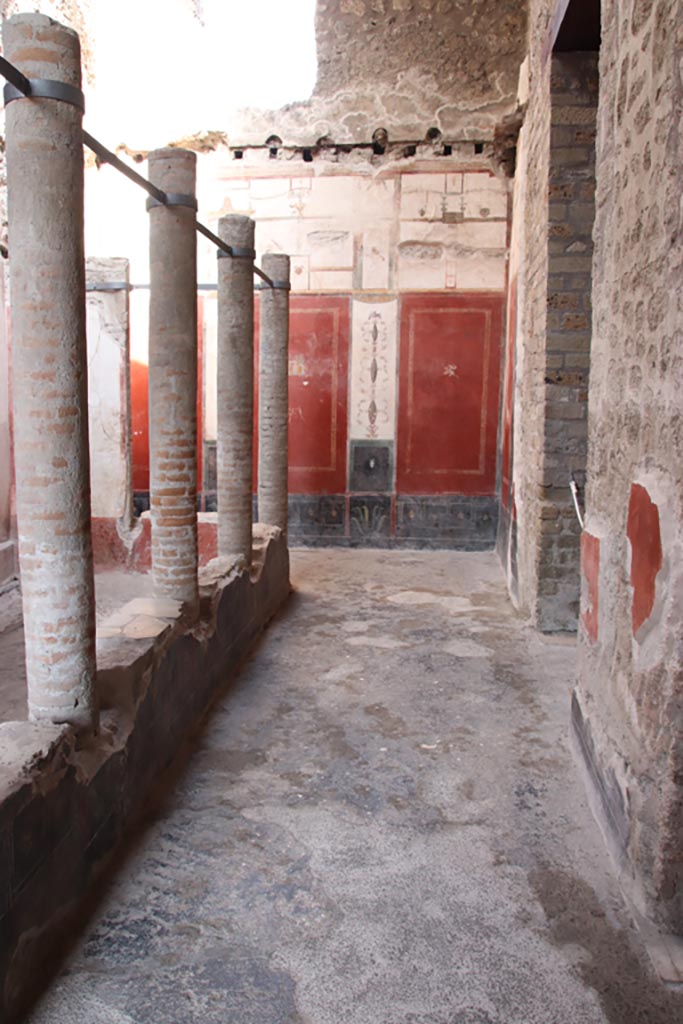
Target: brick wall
{"points": [[571, 212], [554, 199]]}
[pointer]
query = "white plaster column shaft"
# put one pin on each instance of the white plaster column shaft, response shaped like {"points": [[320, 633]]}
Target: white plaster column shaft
{"points": [[49, 375], [173, 380], [235, 409], [108, 325], [273, 420]]}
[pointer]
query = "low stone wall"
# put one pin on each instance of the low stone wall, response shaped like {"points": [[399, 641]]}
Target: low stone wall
{"points": [[65, 803]]}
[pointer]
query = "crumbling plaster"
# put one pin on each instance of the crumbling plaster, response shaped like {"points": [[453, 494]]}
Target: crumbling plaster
{"points": [[402, 65], [406, 66]]}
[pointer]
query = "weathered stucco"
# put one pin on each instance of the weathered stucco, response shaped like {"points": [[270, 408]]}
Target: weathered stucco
{"points": [[408, 65], [405, 66], [402, 65]]}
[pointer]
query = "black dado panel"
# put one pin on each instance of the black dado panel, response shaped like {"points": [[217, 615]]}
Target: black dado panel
{"points": [[371, 466]]}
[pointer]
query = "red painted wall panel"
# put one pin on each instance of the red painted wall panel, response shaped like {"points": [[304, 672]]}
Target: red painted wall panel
{"points": [[318, 372], [318, 376], [139, 400], [448, 393]]}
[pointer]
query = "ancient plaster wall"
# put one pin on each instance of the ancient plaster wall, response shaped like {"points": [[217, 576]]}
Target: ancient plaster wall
{"points": [[398, 282], [374, 250], [408, 65], [630, 694], [403, 65], [439, 229]]}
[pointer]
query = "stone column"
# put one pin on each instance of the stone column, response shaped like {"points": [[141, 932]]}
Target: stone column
{"points": [[173, 379], [235, 441], [49, 376], [108, 325], [273, 417]]}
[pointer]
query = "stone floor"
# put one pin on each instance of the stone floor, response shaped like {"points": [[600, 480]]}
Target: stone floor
{"points": [[380, 824]]}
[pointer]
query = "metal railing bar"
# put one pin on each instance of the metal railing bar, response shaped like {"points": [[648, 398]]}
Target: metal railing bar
{"points": [[201, 286], [15, 76], [107, 157], [23, 84], [224, 247], [218, 242], [263, 276], [110, 158]]}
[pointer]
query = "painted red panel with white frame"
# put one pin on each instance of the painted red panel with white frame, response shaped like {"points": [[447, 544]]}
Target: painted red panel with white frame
{"points": [[449, 386]]}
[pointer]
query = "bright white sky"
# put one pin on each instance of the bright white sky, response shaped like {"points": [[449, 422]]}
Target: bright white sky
{"points": [[160, 74]]}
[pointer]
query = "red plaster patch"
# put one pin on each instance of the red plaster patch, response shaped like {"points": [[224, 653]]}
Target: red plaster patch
{"points": [[590, 567], [646, 553]]}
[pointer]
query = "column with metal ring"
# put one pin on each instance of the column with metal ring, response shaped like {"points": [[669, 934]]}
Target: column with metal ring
{"points": [[49, 368], [273, 417], [173, 376], [235, 411]]}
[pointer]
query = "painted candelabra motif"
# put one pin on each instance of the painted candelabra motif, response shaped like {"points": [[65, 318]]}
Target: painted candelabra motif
{"points": [[373, 370]]}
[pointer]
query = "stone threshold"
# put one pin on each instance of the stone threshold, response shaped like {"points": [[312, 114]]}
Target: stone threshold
{"points": [[67, 801]]}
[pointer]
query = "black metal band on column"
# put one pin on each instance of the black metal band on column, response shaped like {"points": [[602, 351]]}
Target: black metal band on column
{"points": [[45, 89], [109, 286], [237, 252], [173, 199], [283, 286], [20, 87]]}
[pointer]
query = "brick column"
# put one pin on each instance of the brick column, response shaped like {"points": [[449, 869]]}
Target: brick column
{"points": [[273, 417], [235, 447], [173, 380], [49, 378]]}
